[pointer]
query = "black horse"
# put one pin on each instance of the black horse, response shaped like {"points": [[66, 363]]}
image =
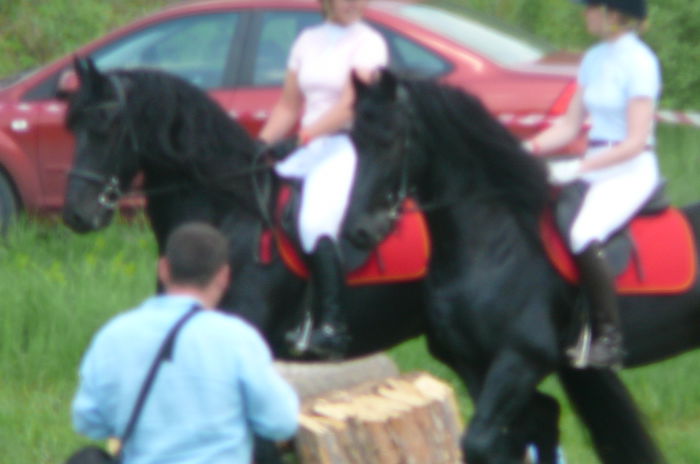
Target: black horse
{"points": [[198, 164], [500, 313]]}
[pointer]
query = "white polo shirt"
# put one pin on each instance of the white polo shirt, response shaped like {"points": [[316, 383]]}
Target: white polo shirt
{"points": [[323, 56]]}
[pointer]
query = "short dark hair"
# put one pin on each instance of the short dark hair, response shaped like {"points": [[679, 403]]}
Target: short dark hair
{"points": [[195, 252]]}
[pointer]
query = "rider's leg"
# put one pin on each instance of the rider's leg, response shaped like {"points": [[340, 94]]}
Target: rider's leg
{"points": [[329, 338], [597, 280], [610, 201], [324, 201]]}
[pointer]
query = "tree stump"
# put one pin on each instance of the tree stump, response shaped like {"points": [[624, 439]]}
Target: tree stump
{"points": [[412, 418], [311, 379]]}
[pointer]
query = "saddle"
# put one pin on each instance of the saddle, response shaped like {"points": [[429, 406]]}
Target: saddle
{"points": [[401, 257], [652, 253]]}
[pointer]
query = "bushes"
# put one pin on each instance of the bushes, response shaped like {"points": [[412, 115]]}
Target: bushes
{"points": [[674, 33], [35, 31]]}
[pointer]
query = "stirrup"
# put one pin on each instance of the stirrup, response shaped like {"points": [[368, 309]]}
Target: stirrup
{"points": [[579, 354], [607, 350]]}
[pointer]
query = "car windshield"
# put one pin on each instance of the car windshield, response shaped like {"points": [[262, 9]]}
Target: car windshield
{"points": [[499, 43]]}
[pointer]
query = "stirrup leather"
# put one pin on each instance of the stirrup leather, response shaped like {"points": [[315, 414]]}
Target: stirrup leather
{"points": [[580, 353]]}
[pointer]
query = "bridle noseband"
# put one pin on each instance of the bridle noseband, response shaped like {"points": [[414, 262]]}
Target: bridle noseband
{"points": [[111, 192]]}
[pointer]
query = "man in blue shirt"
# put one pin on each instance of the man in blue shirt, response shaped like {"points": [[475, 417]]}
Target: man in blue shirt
{"points": [[220, 388]]}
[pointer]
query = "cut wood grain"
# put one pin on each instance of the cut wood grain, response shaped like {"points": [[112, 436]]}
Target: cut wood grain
{"points": [[407, 419]]}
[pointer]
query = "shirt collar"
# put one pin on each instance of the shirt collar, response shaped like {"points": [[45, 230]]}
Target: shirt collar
{"points": [[625, 38], [170, 302]]}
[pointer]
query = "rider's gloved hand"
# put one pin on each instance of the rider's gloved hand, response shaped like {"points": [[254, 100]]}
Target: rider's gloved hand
{"points": [[280, 149], [564, 172]]}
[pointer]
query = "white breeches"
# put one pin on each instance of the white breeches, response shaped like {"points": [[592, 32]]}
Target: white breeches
{"points": [[326, 166], [615, 195]]}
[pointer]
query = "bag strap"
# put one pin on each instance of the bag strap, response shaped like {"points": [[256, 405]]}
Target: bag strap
{"points": [[165, 352]]}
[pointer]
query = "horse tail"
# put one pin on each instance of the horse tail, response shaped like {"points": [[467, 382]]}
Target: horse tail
{"points": [[605, 405]]}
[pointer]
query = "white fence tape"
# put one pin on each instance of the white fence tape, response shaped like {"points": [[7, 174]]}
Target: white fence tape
{"points": [[687, 118]]}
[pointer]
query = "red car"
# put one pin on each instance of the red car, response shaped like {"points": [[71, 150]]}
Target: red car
{"points": [[237, 51]]}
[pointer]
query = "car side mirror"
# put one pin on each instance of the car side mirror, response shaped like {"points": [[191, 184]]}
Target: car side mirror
{"points": [[68, 83]]}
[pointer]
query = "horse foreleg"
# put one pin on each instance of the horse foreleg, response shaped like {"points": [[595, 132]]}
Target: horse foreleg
{"points": [[505, 396], [539, 426]]}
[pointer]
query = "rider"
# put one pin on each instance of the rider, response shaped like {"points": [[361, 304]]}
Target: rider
{"points": [[619, 85], [318, 94]]}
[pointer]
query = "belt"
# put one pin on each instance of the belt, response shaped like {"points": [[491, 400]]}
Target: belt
{"points": [[611, 143]]}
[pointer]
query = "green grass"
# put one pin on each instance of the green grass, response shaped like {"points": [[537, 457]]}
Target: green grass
{"points": [[58, 287]]}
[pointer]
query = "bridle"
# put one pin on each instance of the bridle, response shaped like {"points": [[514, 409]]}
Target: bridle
{"points": [[111, 192], [111, 189], [398, 198]]}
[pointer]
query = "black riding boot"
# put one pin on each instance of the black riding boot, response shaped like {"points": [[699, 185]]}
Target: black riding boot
{"points": [[598, 282], [329, 339]]}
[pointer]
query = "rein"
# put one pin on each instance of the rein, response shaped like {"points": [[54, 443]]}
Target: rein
{"points": [[398, 198], [112, 193]]}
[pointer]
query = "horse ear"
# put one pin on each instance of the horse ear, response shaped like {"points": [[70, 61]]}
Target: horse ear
{"points": [[87, 72]]}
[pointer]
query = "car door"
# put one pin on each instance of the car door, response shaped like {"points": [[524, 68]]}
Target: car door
{"points": [[201, 48], [264, 63]]}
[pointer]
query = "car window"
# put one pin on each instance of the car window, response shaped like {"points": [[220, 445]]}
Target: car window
{"points": [[195, 48], [277, 33], [410, 58], [467, 28]]}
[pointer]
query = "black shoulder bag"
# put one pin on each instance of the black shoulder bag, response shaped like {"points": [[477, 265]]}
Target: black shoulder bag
{"points": [[95, 454]]}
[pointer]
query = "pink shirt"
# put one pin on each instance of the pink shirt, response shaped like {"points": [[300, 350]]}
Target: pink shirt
{"points": [[323, 56]]}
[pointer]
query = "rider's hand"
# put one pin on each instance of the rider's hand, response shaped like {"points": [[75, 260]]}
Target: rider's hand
{"points": [[280, 149], [563, 172]]}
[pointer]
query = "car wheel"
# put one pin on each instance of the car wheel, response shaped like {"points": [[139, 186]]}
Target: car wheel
{"points": [[8, 204]]}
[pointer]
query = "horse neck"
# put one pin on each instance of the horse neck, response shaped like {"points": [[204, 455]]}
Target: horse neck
{"points": [[466, 198], [174, 196]]}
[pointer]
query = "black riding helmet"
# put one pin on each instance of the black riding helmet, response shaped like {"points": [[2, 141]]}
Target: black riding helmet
{"points": [[634, 8]]}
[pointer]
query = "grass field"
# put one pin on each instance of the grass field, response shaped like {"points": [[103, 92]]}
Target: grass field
{"points": [[58, 287]]}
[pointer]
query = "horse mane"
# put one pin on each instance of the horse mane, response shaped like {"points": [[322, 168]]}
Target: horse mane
{"points": [[181, 129], [464, 137]]}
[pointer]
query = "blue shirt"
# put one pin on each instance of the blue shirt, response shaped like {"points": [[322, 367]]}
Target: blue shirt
{"points": [[611, 74], [204, 406]]}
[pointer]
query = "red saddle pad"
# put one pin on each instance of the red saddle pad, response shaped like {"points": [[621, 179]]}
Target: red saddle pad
{"points": [[402, 256], [664, 261]]}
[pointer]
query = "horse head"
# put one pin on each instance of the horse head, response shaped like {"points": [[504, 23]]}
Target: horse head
{"points": [[106, 148], [439, 145], [381, 134]]}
